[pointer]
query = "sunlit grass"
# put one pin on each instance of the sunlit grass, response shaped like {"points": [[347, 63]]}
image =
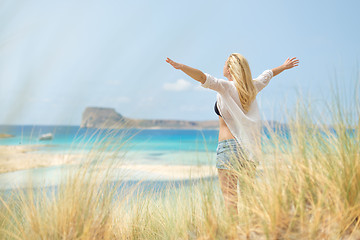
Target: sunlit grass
{"points": [[307, 187]]}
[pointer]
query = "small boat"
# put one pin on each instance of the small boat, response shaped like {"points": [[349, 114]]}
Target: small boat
{"points": [[46, 136]]}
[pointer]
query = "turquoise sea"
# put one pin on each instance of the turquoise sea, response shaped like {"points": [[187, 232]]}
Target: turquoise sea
{"points": [[142, 146], [69, 137], [151, 144]]}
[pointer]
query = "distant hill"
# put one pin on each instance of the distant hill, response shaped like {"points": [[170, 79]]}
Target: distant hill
{"points": [[96, 117]]}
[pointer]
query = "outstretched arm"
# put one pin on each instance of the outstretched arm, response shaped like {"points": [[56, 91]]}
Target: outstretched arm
{"points": [[263, 79], [192, 72], [289, 63]]}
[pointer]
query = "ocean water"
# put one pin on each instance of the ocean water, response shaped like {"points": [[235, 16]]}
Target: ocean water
{"points": [[142, 146], [166, 146], [69, 138], [146, 146]]}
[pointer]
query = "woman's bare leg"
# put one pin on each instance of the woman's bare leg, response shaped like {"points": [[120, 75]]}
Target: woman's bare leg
{"points": [[228, 184]]}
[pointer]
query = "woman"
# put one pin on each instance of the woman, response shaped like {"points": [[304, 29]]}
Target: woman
{"points": [[239, 117]]}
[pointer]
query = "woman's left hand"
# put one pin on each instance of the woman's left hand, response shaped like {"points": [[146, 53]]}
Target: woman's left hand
{"points": [[290, 63]]}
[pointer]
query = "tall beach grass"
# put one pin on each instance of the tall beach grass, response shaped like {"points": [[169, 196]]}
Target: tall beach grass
{"points": [[306, 187]]}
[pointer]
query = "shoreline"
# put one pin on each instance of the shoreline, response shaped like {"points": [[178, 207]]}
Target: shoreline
{"points": [[16, 158], [26, 157]]}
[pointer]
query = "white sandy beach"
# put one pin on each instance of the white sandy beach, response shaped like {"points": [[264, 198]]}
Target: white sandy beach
{"points": [[21, 164], [15, 158]]}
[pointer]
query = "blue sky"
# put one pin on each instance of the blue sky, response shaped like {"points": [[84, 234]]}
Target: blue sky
{"points": [[59, 57]]}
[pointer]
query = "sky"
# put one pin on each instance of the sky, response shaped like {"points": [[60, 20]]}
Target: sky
{"points": [[59, 57]]}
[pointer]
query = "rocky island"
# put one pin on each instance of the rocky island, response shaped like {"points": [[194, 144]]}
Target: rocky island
{"points": [[98, 117], [5, 135]]}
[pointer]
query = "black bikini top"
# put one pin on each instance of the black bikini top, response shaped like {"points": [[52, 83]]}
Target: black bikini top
{"points": [[216, 109]]}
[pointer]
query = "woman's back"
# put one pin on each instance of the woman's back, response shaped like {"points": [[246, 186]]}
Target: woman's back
{"points": [[236, 123]]}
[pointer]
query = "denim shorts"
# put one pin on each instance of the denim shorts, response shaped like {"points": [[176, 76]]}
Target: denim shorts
{"points": [[231, 156]]}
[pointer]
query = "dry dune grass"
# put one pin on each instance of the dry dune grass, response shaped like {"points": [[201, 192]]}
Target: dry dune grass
{"points": [[307, 189]]}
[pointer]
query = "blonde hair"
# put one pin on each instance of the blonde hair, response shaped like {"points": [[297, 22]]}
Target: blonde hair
{"points": [[241, 75]]}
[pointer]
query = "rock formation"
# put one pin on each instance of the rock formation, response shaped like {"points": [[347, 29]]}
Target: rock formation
{"points": [[4, 135]]}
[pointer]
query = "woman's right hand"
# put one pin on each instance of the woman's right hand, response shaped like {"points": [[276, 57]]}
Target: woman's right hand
{"points": [[174, 64]]}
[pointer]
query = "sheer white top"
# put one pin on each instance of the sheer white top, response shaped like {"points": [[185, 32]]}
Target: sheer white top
{"points": [[245, 127]]}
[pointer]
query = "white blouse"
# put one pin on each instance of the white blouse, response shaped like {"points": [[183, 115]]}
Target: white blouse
{"points": [[245, 127]]}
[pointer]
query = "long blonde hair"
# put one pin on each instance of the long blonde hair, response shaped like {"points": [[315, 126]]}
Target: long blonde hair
{"points": [[241, 75]]}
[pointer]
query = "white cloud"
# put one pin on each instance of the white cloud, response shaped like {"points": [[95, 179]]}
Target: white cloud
{"points": [[179, 85]]}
